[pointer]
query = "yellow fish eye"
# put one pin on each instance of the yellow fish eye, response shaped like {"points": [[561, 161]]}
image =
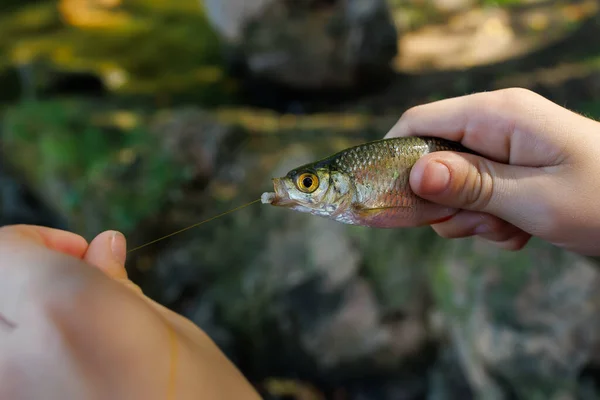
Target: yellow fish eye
{"points": [[307, 182]]}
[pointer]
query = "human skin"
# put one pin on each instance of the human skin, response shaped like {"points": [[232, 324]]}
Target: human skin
{"points": [[537, 174], [72, 326]]}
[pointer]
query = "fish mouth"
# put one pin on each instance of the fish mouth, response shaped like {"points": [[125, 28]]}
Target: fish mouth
{"points": [[280, 197]]}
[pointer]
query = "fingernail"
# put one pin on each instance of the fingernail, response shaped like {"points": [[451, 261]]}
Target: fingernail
{"points": [[435, 178], [118, 246]]}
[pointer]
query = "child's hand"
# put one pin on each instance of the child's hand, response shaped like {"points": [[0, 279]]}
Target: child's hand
{"points": [[540, 175], [72, 326]]}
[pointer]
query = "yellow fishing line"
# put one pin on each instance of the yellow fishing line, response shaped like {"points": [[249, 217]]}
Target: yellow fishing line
{"points": [[172, 385], [195, 225]]}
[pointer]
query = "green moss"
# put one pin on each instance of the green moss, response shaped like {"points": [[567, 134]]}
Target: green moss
{"points": [[160, 49], [102, 176]]}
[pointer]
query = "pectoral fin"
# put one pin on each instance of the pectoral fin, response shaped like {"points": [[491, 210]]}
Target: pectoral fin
{"points": [[383, 217], [377, 210], [402, 216]]}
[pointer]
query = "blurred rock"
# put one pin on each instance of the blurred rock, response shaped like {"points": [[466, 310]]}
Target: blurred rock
{"points": [[447, 380], [105, 168], [18, 205], [229, 17], [309, 44], [349, 333], [525, 324], [483, 36], [197, 140], [450, 6]]}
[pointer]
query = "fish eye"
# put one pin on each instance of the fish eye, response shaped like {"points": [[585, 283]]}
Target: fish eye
{"points": [[307, 182]]}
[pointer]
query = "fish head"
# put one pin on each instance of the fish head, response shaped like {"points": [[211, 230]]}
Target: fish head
{"points": [[315, 190]]}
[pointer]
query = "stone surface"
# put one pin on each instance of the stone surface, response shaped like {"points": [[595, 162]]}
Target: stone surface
{"points": [[525, 324], [481, 36], [309, 44]]}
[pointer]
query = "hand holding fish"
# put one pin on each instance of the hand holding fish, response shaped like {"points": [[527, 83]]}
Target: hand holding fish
{"points": [[537, 172], [72, 326], [503, 165]]}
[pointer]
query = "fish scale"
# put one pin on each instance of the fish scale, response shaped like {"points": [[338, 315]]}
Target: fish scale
{"points": [[366, 184], [381, 169]]}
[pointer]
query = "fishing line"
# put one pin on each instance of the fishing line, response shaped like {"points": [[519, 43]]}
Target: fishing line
{"points": [[195, 225]]}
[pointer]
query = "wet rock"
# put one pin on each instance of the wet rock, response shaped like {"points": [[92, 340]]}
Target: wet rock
{"points": [[309, 44]]}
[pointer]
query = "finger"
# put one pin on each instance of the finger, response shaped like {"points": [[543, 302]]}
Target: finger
{"points": [[107, 252], [513, 243], [518, 195], [54, 239], [470, 223], [485, 226], [504, 125], [504, 234]]}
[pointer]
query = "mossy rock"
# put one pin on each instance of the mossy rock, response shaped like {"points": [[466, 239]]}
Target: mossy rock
{"points": [[96, 165]]}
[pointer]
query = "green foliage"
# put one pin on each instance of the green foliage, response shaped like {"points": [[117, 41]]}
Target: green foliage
{"points": [[112, 177], [156, 49], [590, 109], [502, 3]]}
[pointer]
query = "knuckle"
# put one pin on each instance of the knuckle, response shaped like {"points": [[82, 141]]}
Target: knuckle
{"points": [[479, 185], [518, 98], [503, 99]]}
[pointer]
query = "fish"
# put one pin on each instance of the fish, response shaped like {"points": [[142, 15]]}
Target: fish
{"points": [[365, 185]]}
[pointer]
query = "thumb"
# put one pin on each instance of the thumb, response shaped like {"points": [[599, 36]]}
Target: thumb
{"points": [[516, 194], [108, 252]]}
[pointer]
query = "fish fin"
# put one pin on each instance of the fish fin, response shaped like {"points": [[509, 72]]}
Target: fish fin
{"points": [[382, 217], [376, 210], [372, 213], [400, 216]]}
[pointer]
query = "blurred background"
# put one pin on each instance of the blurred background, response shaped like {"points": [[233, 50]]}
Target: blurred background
{"points": [[150, 115]]}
